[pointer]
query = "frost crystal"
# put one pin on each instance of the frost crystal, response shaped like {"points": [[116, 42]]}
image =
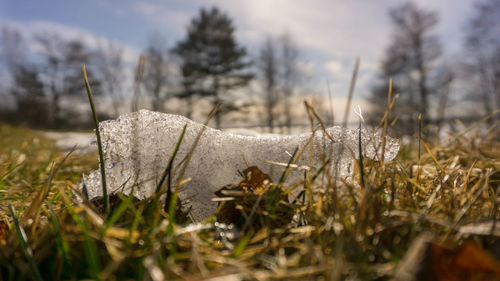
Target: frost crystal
{"points": [[138, 146]]}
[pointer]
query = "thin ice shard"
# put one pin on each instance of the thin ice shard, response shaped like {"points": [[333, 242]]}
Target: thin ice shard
{"points": [[138, 146]]}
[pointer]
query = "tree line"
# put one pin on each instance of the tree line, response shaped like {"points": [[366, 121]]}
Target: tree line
{"points": [[208, 63], [422, 77]]}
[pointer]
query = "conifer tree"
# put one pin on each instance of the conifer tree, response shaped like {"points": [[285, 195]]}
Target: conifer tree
{"points": [[212, 63]]}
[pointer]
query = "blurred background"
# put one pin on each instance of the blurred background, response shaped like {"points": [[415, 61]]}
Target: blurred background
{"points": [[260, 58]]}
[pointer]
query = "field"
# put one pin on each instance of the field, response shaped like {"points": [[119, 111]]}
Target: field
{"points": [[431, 214]]}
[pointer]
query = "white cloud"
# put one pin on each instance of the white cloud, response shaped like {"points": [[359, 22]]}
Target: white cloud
{"points": [[334, 67], [329, 33], [30, 29], [164, 15], [333, 28], [306, 67]]}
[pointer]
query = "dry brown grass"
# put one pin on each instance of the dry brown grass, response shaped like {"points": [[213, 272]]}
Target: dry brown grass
{"points": [[358, 234]]}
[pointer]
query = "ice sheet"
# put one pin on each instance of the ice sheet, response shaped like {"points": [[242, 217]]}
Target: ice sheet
{"points": [[138, 146]]}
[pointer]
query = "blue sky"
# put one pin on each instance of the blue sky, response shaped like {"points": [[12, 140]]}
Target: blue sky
{"points": [[329, 33]]}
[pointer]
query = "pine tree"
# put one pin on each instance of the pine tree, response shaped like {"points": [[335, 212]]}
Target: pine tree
{"points": [[211, 60]]}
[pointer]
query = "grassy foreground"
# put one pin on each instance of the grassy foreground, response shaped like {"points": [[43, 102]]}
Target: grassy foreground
{"points": [[448, 194]]}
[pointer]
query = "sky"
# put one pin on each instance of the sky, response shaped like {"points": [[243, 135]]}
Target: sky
{"points": [[330, 34]]}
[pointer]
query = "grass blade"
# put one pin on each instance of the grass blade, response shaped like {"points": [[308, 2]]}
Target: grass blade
{"points": [[90, 246], [360, 151], [171, 160], [99, 143], [24, 242], [287, 170], [242, 244], [117, 213]]}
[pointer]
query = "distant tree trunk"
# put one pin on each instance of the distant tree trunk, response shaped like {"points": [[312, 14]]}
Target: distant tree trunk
{"points": [[445, 79], [139, 73], [157, 72], [268, 66], [270, 114], [287, 110], [157, 102], [216, 101], [54, 119], [486, 91], [189, 112], [112, 71], [424, 92], [290, 75]]}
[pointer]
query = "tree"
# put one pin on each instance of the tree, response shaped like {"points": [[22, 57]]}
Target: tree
{"points": [[443, 82], [211, 60], [277, 65], [290, 75], [26, 87], [30, 97], [483, 48], [75, 53], [409, 60], [156, 76], [111, 70], [13, 49], [53, 72], [62, 70], [268, 65]]}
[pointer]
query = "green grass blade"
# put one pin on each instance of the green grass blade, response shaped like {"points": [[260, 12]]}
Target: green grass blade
{"points": [[24, 243], [171, 160], [360, 151], [99, 143], [117, 213], [171, 213], [90, 247], [287, 170], [242, 244], [61, 242]]}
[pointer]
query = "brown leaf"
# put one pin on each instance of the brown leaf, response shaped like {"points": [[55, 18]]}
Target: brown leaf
{"points": [[254, 178], [4, 229], [427, 260], [468, 262], [254, 189]]}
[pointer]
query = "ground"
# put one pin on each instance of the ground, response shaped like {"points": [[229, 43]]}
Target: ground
{"points": [[440, 203]]}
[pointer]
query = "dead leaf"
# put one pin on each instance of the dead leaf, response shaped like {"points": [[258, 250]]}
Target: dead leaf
{"points": [[254, 178], [428, 260], [254, 189], [4, 229], [468, 262]]}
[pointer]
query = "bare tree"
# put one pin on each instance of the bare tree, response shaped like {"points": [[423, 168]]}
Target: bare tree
{"points": [[268, 66], [111, 69], [30, 97], [156, 74], [53, 71], [442, 82], [483, 48], [409, 60], [75, 52], [277, 65], [290, 75], [13, 52], [26, 87], [62, 71]]}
